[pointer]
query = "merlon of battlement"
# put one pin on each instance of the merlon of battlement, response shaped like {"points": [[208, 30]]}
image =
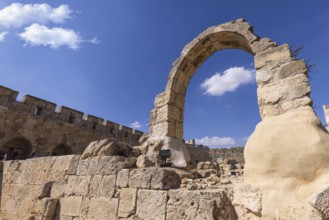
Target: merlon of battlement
{"points": [[7, 94]]}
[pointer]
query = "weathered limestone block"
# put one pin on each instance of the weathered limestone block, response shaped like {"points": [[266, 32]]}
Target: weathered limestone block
{"points": [[167, 128], [277, 54], [112, 164], [58, 189], [12, 165], [169, 112], [127, 205], [70, 206], [287, 92], [291, 69], [87, 166], [240, 26], [209, 204], [67, 164], [82, 185], [180, 156], [8, 204], [49, 208], [122, 178], [144, 161], [265, 74], [262, 44], [94, 185], [163, 99], [165, 179], [151, 204], [249, 197], [140, 178], [298, 103], [102, 208], [270, 94], [320, 201], [107, 147], [105, 165], [296, 87], [70, 186], [107, 186], [25, 206]]}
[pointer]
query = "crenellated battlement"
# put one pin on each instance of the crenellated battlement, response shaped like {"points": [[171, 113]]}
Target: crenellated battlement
{"points": [[43, 108], [34, 126]]}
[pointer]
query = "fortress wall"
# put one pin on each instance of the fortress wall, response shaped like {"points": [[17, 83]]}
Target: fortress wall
{"points": [[36, 121], [70, 115], [107, 187], [7, 94], [38, 106], [235, 153], [198, 154]]}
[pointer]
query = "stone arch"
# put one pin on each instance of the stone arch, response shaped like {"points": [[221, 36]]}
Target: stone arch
{"points": [[62, 149], [17, 148], [277, 72], [282, 81], [287, 155]]}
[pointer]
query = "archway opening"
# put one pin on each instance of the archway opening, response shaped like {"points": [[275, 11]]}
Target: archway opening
{"points": [[221, 108], [61, 150], [16, 149]]}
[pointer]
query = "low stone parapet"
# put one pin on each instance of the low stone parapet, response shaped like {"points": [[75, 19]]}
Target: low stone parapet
{"points": [[103, 187]]}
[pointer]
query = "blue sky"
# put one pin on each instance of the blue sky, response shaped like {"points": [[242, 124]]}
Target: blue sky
{"points": [[111, 58]]}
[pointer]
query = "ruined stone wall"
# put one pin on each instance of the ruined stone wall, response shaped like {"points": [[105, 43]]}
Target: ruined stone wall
{"points": [[326, 114], [203, 153], [107, 187], [33, 122], [235, 153], [198, 154]]}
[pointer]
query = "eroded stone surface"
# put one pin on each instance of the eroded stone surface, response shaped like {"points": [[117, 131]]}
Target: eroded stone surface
{"points": [[249, 197], [127, 205], [151, 204], [320, 200], [184, 204]]}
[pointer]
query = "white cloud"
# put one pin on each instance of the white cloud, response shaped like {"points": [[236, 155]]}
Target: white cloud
{"points": [[3, 36], [229, 81], [95, 40], [215, 141], [136, 125], [40, 35], [18, 15]]}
